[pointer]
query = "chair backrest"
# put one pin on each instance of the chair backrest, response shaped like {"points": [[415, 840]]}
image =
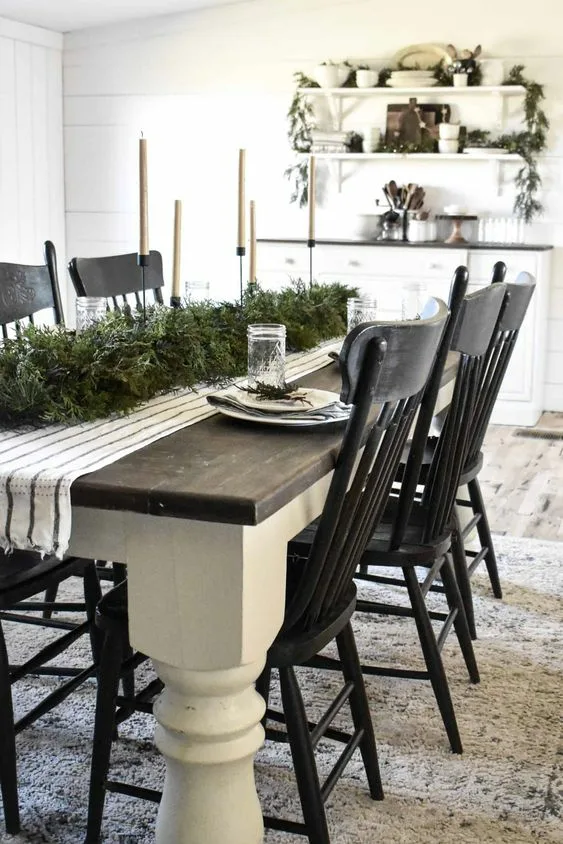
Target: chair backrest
{"points": [[498, 356], [116, 276], [387, 363], [426, 411], [25, 290], [478, 322]]}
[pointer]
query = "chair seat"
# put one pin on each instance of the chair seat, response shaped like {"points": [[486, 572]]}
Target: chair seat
{"points": [[295, 648], [470, 470], [413, 550], [25, 573]]}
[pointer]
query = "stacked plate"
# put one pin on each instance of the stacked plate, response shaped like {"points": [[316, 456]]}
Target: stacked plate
{"points": [[412, 79]]}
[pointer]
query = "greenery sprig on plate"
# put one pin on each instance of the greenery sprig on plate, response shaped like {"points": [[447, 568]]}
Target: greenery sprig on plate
{"points": [[54, 375]]}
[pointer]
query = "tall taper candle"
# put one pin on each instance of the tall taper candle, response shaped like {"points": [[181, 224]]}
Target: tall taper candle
{"points": [[143, 199], [252, 261], [241, 237], [177, 254], [312, 189]]}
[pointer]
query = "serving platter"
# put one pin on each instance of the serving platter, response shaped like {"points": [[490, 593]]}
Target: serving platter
{"points": [[421, 56]]}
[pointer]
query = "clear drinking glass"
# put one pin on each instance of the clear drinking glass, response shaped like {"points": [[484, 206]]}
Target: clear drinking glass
{"points": [[413, 299], [89, 311], [197, 291], [361, 309], [266, 354]]}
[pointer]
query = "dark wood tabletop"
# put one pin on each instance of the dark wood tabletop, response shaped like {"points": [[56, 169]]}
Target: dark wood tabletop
{"points": [[220, 470]]}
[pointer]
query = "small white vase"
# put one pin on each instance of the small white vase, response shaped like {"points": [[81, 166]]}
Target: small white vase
{"points": [[366, 78], [460, 80]]}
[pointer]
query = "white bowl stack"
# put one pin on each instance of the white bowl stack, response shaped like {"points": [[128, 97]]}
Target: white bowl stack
{"points": [[412, 79]]}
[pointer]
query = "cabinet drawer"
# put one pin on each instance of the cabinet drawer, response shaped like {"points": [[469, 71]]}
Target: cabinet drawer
{"points": [[392, 261], [481, 264]]}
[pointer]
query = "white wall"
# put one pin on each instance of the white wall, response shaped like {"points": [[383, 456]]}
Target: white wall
{"points": [[31, 143], [200, 85]]}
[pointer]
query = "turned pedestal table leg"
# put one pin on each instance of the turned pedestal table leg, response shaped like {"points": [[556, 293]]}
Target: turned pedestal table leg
{"points": [[205, 602]]}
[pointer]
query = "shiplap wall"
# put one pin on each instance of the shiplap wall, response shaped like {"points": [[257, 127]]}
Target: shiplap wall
{"points": [[31, 144], [202, 84]]}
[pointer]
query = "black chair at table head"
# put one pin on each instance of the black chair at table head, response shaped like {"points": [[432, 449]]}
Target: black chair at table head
{"points": [[115, 277], [24, 292], [386, 364]]}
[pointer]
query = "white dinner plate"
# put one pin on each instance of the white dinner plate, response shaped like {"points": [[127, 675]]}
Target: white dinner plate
{"points": [[272, 419], [412, 83], [485, 151]]}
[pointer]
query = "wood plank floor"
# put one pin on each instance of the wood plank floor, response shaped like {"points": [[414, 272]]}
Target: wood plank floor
{"points": [[522, 481]]}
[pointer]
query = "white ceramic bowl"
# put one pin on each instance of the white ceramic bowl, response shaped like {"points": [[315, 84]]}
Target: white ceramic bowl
{"points": [[330, 75], [449, 131], [367, 78], [448, 146]]}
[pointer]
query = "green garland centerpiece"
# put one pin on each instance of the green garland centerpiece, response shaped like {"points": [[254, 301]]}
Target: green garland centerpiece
{"points": [[52, 375]]}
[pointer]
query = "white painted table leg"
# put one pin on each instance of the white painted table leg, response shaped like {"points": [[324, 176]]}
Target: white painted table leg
{"points": [[209, 732]]}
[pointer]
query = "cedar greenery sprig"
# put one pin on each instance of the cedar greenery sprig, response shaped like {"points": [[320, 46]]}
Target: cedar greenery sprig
{"points": [[528, 144], [51, 375]]}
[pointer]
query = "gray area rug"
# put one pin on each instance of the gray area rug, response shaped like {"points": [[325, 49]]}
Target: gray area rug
{"points": [[507, 786]]}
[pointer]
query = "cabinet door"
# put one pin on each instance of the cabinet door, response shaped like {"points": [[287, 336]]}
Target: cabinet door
{"points": [[279, 263], [518, 382]]}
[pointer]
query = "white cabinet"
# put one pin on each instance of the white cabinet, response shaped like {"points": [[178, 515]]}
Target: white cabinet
{"points": [[382, 271]]}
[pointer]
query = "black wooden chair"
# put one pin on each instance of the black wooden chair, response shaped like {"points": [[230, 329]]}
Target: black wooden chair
{"points": [[116, 277], [496, 361], [387, 364], [416, 531], [24, 292]]}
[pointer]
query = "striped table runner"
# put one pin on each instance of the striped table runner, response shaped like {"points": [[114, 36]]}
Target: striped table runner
{"points": [[39, 466]]}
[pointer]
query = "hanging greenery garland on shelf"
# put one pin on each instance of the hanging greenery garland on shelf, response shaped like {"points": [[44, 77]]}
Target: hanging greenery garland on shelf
{"points": [[52, 375], [528, 144]]}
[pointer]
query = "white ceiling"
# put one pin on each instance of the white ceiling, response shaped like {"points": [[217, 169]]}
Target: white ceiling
{"points": [[66, 15]]}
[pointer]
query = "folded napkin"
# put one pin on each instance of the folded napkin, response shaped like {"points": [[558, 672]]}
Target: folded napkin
{"points": [[283, 408]]}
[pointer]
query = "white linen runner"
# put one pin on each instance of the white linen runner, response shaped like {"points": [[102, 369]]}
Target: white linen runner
{"points": [[37, 467]]}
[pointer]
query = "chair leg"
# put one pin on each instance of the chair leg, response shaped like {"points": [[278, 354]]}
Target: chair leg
{"points": [[462, 574], [92, 594], [433, 659], [108, 684], [119, 573], [303, 758], [50, 598], [359, 705], [485, 537], [8, 769], [460, 623]]}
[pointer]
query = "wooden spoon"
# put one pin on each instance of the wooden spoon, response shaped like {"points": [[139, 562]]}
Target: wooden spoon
{"points": [[393, 191]]}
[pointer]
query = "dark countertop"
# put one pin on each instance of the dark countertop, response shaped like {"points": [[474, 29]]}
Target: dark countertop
{"points": [[430, 244], [219, 470]]}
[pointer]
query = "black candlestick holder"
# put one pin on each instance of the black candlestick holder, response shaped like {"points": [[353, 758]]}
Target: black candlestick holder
{"points": [[311, 243], [143, 262], [241, 252]]}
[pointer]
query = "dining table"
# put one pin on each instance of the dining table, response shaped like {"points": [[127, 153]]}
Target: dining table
{"points": [[202, 518]]}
